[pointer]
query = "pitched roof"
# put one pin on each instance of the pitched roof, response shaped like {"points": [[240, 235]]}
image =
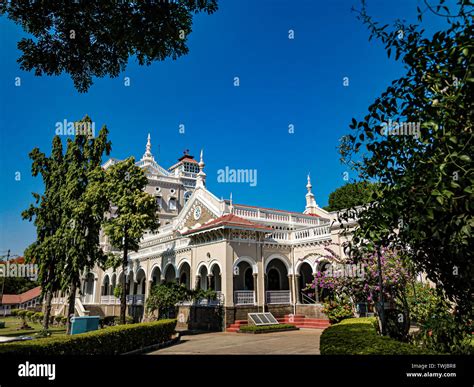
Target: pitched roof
{"points": [[10, 299], [230, 221]]}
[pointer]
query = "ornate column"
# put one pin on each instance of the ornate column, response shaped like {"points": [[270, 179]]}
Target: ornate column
{"points": [[298, 287], [255, 286], [197, 282]]}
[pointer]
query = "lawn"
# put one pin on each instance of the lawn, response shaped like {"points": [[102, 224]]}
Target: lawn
{"points": [[13, 323]]}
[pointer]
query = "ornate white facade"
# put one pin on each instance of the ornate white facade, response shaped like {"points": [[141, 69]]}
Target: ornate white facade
{"points": [[256, 258]]}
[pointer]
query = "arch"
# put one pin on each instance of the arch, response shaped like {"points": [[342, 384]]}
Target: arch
{"points": [[185, 274], [277, 271], [252, 262], [200, 265], [156, 267], [203, 277], [169, 275], [182, 262], [216, 276], [140, 281], [306, 259], [105, 288], [282, 258]]}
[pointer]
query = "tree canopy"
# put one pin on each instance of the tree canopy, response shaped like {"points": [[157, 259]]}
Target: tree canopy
{"points": [[417, 141], [88, 39], [350, 195]]}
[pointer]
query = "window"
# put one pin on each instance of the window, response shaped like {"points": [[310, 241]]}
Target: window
{"points": [[172, 191], [172, 204], [158, 189], [159, 201], [187, 195]]}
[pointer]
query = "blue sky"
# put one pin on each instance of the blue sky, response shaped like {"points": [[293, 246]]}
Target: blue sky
{"points": [[282, 82]]}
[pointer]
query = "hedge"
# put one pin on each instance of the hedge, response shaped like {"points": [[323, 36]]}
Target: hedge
{"points": [[259, 328], [358, 336], [109, 341]]}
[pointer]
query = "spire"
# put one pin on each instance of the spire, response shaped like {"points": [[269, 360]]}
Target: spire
{"points": [[309, 186], [148, 154], [231, 206], [201, 176], [311, 205]]}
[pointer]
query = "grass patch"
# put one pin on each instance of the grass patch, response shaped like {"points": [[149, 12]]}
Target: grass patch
{"points": [[13, 323], [267, 328], [358, 336], [108, 341]]}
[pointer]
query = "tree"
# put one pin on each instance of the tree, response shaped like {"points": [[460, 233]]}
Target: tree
{"points": [[164, 297], [47, 251], [84, 203], [96, 38], [133, 211], [417, 140], [350, 195]]}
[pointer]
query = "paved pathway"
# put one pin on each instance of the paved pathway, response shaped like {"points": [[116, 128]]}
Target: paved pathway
{"points": [[304, 341]]}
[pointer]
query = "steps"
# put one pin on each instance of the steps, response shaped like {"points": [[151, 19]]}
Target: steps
{"points": [[236, 326], [298, 320]]}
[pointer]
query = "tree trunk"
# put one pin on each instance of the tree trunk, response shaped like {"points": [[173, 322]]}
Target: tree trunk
{"points": [[47, 309], [123, 295], [71, 306]]}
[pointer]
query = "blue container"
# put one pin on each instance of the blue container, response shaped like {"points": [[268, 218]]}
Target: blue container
{"points": [[84, 324]]}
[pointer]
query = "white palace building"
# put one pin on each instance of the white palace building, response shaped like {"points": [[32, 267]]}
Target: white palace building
{"points": [[256, 258]]}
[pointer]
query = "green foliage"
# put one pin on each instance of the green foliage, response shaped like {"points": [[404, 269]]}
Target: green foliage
{"points": [[18, 285], [164, 297], [2, 324], [29, 315], [265, 328], [133, 212], [357, 336], [426, 176], [118, 291], [338, 310], [14, 312], [101, 40], [425, 302], [109, 321], [58, 319], [109, 341], [350, 195]]}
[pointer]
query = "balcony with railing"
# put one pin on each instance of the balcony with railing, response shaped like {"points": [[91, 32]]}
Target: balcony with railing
{"points": [[244, 297], [109, 300], [135, 299], [282, 297]]}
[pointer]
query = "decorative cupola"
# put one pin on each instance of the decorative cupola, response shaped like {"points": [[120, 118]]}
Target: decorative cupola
{"points": [[311, 205], [201, 176]]}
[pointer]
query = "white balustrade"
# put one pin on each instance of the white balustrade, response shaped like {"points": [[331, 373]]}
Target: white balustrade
{"points": [[278, 297], [244, 297]]}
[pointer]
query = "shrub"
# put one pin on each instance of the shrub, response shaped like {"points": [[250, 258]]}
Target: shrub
{"points": [[2, 324], [109, 341], [337, 310], [29, 315], [358, 336], [109, 321], [14, 312], [58, 319], [446, 333], [63, 320], [260, 328], [38, 317], [22, 313]]}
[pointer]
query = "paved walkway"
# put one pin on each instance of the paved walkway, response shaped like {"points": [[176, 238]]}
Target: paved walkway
{"points": [[304, 341]]}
